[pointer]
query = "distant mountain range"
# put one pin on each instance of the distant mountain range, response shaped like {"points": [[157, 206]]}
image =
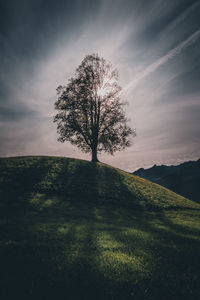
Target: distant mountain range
{"points": [[183, 179]]}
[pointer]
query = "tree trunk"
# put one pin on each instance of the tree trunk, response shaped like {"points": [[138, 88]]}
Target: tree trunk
{"points": [[94, 154]]}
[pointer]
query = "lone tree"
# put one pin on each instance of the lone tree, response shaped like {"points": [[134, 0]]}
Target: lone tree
{"points": [[90, 109]]}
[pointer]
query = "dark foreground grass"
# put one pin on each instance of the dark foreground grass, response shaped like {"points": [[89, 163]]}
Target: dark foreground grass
{"points": [[76, 230]]}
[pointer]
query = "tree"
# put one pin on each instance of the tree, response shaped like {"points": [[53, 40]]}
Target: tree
{"points": [[90, 109]]}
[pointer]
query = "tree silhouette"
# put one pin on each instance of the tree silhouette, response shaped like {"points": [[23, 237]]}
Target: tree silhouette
{"points": [[90, 109]]}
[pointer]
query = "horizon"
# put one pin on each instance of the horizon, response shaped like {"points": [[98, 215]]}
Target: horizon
{"points": [[20, 156], [155, 48]]}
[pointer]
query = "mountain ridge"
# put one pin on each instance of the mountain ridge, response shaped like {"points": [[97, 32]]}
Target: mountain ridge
{"points": [[183, 179]]}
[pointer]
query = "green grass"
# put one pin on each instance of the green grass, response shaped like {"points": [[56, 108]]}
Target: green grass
{"points": [[72, 229]]}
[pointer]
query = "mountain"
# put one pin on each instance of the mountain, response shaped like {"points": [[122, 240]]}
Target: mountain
{"points": [[73, 229], [183, 179]]}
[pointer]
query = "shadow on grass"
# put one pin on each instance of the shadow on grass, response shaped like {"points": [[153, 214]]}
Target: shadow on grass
{"points": [[77, 242]]}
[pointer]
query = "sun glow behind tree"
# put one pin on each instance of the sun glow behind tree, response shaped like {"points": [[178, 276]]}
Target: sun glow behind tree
{"points": [[105, 87], [90, 109]]}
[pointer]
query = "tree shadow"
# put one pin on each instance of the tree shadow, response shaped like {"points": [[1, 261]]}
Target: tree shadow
{"points": [[80, 242], [169, 253]]}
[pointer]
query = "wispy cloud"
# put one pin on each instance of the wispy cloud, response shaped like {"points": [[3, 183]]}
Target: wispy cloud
{"points": [[136, 38], [164, 59]]}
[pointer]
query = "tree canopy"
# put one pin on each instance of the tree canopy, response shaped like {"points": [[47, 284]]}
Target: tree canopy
{"points": [[90, 111]]}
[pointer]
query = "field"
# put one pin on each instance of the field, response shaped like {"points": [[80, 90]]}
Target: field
{"points": [[72, 229]]}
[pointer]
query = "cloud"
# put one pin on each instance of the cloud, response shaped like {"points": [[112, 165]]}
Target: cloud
{"points": [[161, 61], [43, 43]]}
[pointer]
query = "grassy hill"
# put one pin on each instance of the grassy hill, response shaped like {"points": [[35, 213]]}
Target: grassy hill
{"points": [[72, 229]]}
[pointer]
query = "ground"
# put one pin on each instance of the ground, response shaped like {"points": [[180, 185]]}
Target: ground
{"points": [[72, 229]]}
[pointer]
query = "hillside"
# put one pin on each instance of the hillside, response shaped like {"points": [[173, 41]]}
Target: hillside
{"points": [[183, 179], [72, 229]]}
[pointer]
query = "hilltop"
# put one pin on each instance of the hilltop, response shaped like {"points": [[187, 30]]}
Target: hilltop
{"points": [[183, 179], [73, 229], [86, 181]]}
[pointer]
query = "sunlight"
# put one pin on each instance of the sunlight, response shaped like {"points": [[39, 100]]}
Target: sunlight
{"points": [[101, 92], [103, 89], [106, 87]]}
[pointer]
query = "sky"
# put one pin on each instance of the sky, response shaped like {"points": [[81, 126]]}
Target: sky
{"points": [[155, 45]]}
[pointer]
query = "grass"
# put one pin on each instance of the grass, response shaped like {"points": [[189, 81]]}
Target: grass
{"points": [[72, 229]]}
